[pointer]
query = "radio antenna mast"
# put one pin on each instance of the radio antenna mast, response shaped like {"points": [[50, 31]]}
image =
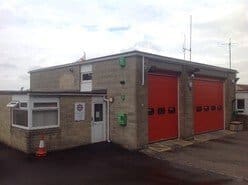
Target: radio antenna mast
{"points": [[190, 42], [184, 47], [229, 44]]}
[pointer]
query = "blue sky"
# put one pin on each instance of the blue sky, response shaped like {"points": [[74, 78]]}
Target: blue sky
{"points": [[39, 33]]}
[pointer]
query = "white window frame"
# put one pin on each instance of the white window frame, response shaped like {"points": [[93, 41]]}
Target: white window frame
{"points": [[44, 100], [30, 107], [86, 69], [20, 108], [243, 110]]}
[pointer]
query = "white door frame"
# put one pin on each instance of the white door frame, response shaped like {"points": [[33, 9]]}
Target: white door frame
{"points": [[98, 100]]}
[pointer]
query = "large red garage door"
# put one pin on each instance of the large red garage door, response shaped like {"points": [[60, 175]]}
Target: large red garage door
{"points": [[208, 105], [162, 107]]}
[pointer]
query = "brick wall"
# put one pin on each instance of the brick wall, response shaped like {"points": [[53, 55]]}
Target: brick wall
{"points": [[66, 78]]}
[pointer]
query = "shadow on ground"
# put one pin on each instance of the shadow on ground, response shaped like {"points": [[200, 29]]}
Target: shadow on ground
{"points": [[98, 164]]}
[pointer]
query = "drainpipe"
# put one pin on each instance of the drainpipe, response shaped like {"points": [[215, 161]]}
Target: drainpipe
{"points": [[108, 114], [143, 71]]}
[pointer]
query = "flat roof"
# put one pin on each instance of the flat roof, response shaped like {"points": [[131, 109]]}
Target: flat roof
{"points": [[142, 54], [52, 93], [242, 87]]}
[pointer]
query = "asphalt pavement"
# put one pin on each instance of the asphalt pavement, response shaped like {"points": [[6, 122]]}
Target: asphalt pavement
{"points": [[99, 164]]}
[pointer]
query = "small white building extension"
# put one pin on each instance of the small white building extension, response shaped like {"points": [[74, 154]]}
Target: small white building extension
{"points": [[242, 99]]}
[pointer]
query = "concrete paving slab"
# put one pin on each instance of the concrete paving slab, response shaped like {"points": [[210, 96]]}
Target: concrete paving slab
{"points": [[226, 154], [182, 143], [159, 148], [212, 135]]}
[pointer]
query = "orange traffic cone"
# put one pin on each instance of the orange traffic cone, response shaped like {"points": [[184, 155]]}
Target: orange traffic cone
{"points": [[41, 152]]}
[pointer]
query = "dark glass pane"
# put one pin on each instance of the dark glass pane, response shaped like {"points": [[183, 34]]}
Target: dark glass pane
{"points": [[161, 110], [44, 118], [23, 104], [171, 110], [206, 108], [241, 104], [20, 117], [198, 108], [45, 104], [98, 112], [150, 111], [87, 76], [219, 107], [213, 107]]}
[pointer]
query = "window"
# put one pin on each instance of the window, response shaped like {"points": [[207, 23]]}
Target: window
{"points": [[150, 111], [98, 114], [86, 77], [34, 112], [23, 104], [161, 110], [20, 117], [171, 110], [41, 118], [44, 114], [45, 104], [240, 104], [19, 113]]}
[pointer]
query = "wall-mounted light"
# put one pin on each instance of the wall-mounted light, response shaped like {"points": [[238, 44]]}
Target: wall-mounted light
{"points": [[235, 80], [71, 70], [190, 84], [191, 77]]}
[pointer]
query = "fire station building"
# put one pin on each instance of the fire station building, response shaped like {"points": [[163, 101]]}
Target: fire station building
{"points": [[132, 99]]}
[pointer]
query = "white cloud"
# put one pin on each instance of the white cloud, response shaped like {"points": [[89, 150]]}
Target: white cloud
{"points": [[39, 34]]}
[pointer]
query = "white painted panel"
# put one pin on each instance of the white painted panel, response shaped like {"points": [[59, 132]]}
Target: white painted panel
{"points": [[86, 68], [21, 98], [98, 127], [86, 86], [79, 111]]}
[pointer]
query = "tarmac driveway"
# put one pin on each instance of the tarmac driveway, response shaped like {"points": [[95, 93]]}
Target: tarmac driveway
{"points": [[227, 155], [98, 164]]}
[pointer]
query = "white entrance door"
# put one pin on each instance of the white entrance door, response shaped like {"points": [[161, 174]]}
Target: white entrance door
{"points": [[98, 128]]}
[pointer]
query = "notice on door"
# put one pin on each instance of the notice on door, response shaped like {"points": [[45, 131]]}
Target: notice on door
{"points": [[79, 111]]}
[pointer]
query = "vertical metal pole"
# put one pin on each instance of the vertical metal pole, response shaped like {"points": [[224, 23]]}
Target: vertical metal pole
{"points": [[190, 34], [230, 53], [184, 47]]}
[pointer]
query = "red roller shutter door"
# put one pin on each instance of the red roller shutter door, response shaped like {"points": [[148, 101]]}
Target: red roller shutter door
{"points": [[208, 105], [162, 107]]}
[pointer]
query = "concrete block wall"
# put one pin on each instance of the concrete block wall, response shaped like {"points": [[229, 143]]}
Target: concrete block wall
{"points": [[107, 75], [186, 123], [5, 119], [243, 119], [70, 133], [11, 136], [59, 79], [230, 89]]}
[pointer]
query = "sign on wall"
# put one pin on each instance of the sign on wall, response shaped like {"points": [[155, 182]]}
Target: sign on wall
{"points": [[79, 111]]}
